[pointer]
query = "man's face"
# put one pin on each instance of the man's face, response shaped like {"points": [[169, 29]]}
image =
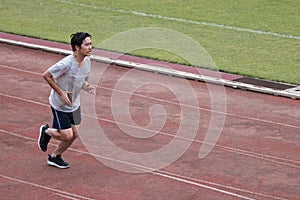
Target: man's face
{"points": [[86, 47]]}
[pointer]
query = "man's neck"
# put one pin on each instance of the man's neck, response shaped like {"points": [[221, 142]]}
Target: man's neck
{"points": [[79, 58]]}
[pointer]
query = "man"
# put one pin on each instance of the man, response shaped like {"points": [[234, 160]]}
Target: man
{"points": [[66, 78]]}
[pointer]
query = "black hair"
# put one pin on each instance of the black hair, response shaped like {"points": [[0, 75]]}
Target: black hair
{"points": [[77, 39]]}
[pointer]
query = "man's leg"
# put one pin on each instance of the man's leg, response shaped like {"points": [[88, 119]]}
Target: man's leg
{"points": [[65, 144], [68, 137], [64, 131], [47, 133], [61, 135]]}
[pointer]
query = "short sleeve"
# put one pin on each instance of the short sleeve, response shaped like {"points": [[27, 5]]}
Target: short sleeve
{"points": [[58, 69]]}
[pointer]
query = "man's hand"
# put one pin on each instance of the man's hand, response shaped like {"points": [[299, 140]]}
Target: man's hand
{"points": [[90, 89], [66, 98]]}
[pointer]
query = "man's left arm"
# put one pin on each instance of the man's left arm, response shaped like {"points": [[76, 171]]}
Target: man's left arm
{"points": [[88, 88]]}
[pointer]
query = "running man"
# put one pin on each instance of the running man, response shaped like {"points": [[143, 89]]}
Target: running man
{"points": [[66, 78]]}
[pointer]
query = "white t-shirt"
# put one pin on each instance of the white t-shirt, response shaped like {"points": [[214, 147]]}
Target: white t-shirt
{"points": [[70, 78]]}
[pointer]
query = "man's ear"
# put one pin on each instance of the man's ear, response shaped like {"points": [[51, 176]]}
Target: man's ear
{"points": [[77, 47]]}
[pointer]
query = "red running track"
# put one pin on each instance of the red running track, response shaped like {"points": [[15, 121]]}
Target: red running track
{"points": [[256, 156]]}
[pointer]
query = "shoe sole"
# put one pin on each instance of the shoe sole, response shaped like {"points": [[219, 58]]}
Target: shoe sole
{"points": [[56, 165], [41, 129]]}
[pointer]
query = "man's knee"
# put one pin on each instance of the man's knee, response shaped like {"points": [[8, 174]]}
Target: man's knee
{"points": [[75, 132], [75, 135], [68, 134]]}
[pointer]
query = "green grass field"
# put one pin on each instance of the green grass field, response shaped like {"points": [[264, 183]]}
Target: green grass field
{"points": [[258, 38]]}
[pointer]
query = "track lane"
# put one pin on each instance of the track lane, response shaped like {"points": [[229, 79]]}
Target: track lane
{"points": [[187, 161]]}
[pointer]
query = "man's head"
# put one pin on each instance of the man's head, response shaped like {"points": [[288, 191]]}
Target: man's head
{"points": [[80, 38]]}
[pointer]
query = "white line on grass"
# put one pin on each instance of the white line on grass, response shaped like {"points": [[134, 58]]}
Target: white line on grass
{"points": [[181, 20]]}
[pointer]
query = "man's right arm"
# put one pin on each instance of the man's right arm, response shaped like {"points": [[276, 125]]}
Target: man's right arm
{"points": [[63, 94]]}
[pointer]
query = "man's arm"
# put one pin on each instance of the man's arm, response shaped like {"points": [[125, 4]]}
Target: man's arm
{"points": [[63, 94], [86, 87]]}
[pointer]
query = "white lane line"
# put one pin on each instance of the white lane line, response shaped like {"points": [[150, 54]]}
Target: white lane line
{"points": [[20, 70], [222, 26], [269, 158], [218, 185], [273, 159], [183, 179], [202, 185], [238, 151], [26, 100], [205, 109], [57, 192]]}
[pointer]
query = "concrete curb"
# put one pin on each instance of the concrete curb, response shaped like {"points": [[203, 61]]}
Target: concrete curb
{"points": [[293, 92]]}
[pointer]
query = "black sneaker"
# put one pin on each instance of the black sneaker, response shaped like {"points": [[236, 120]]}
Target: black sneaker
{"points": [[57, 162], [43, 138]]}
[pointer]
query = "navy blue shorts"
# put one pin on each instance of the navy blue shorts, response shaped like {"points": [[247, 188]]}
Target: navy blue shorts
{"points": [[64, 120]]}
